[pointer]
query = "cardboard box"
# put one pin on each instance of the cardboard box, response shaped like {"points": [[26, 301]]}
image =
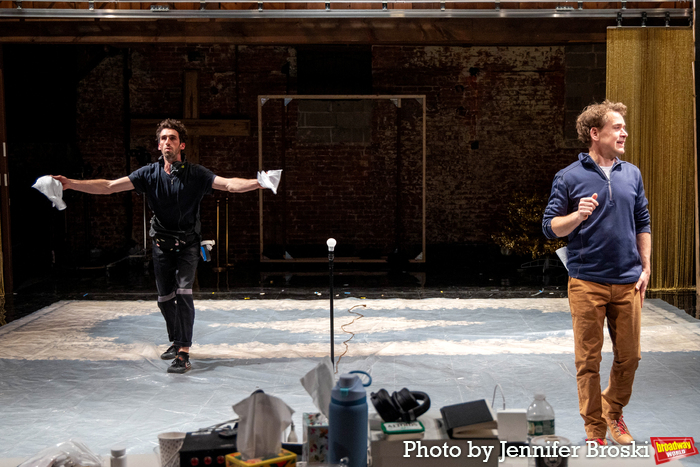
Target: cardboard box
{"points": [[315, 437], [512, 425], [284, 459]]}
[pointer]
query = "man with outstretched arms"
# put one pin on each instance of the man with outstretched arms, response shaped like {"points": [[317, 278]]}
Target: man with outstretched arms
{"points": [[174, 190]]}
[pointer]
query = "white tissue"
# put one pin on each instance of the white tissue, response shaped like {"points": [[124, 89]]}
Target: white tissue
{"points": [[319, 384], [563, 254], [52, 189], [263, 419], [270, 179]]}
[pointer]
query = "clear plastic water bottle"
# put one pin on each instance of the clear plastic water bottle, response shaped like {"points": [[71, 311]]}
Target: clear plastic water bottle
{"points": [[118, 457], [540, 418], [347, 421]]}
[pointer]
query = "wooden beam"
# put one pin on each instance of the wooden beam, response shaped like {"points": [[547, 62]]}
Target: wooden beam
{"points": [[4, 193], [425, 31], [147, 127]]}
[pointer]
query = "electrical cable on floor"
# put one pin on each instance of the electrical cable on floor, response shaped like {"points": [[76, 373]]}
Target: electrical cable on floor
{"points": [[353, 334], [498, 386]]}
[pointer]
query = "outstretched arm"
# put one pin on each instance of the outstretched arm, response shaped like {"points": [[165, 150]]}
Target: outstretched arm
{"points": [[96, 187], [235, 185]]}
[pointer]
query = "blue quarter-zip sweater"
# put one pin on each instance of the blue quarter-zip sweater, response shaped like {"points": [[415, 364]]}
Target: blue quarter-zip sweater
{"points": [[603, 248]]}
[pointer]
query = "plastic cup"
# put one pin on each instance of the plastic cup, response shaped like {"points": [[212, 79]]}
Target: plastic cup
{"points": [[170, 444]]}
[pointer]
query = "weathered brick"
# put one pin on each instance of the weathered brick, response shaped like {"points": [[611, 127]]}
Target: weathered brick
{"points": [[515, 99]]}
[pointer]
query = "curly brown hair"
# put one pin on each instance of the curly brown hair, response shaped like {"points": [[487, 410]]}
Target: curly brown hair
{"points": [[172, 124], [596, 116]]}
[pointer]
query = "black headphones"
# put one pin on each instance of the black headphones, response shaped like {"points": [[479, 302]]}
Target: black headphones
{"points": [[400, 406]]}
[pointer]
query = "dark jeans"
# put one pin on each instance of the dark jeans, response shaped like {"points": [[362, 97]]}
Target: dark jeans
{"points": [[175, 271]]}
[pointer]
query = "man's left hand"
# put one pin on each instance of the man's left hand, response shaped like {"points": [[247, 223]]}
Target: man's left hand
{"points": [[642, 285]]}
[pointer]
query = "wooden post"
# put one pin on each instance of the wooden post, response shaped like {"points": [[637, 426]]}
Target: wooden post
{"points": [[4, 192]]}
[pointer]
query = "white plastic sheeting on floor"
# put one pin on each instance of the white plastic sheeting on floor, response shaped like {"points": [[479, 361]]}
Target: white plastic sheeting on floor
{"points": [[91, 370]]}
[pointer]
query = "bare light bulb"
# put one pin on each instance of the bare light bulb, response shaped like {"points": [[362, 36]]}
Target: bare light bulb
{"points": [[331, 244]]}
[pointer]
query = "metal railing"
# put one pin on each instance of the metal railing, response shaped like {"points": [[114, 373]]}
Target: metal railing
{"points": [[255, 9]]}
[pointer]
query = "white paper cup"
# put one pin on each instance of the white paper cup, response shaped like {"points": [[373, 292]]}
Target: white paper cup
{"points": [[170, 444]]}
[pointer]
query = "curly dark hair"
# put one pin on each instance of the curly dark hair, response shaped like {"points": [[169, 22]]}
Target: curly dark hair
{"points": [[172, 124], [596, 116]]}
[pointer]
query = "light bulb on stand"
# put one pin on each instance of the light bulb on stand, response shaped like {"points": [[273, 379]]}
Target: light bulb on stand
{"points": [[331, 254]]}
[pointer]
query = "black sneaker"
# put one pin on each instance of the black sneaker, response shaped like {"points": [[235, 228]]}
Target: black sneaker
{"points": [[181, 364], [170, 353]]}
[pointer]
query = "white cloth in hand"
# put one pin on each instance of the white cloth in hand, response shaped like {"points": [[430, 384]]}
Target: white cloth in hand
{"points": [[52, 189], [270, 179]]}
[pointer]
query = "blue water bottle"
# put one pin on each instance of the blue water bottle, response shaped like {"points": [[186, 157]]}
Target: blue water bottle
{"points": [[347, 418]]}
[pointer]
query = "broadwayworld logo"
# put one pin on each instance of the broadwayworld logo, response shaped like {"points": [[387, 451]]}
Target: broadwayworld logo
{"points": [[668, 449]]}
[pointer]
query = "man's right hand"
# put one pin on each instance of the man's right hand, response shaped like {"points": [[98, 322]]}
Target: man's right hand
{"points": [[586, 206], [64, 181], [564, 225]]}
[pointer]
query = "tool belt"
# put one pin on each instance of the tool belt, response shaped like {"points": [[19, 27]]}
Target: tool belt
{"points": [[170, 241]]}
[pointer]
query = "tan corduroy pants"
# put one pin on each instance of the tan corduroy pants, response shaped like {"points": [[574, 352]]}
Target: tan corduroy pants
{"points": [[590, 304]]}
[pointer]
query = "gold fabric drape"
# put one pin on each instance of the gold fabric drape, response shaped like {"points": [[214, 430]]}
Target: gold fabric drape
{"points": [[650, 71]]}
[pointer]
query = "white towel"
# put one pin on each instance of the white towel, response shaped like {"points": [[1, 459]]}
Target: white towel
{"points": [[270, 179], [52, 189]]}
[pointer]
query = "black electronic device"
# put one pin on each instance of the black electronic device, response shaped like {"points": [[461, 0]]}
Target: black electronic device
{"points": [[208, 448], [473, 419], [401, 405]]}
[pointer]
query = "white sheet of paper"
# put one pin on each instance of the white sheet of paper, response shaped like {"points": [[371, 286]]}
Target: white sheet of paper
{"points": [[563, 254]]}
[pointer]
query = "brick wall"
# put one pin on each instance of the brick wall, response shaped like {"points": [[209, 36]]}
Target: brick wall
{"points": [[95, 222], [495, 125], [495, 122], [585, 83]]}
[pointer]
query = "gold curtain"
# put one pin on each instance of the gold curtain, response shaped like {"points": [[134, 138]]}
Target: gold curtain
{"points": [[650, 71]]}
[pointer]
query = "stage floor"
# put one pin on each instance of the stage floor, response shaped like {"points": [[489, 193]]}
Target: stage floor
{"points": [[90, 369]]}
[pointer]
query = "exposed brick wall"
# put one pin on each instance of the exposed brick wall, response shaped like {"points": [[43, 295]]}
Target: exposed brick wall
{"points": [[495, 125], [347, 190], [156, 91], [585, 83], [495, 121], [96, 222]]}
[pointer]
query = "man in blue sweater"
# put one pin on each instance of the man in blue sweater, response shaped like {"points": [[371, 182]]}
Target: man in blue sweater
{"points": [[599, 203]]}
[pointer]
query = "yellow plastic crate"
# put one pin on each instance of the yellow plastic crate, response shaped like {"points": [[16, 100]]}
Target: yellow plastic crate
{"points": [[284, 459]]}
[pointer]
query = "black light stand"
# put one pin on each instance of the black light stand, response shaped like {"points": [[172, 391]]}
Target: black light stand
{"points": [[331, 254]]}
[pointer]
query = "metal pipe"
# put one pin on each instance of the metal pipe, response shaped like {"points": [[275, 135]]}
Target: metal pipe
{"points": [[347, 2], [331, 254], [145, 245], [227, 263], [218, 267], [342, 13]]}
